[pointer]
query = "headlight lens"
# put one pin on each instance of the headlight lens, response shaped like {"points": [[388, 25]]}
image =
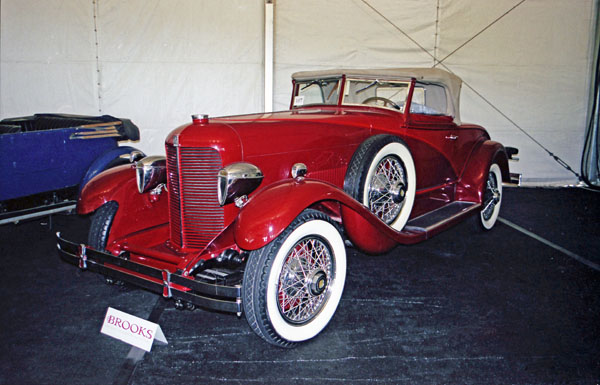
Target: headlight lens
{"points": [[150, 172], [236, 180]]}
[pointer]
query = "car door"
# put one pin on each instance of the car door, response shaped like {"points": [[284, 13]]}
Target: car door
{"points": [[434, 143], [433, 137]]}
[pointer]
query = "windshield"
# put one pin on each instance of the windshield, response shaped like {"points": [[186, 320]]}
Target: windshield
{"points": [[383, 93], [317, 91]]}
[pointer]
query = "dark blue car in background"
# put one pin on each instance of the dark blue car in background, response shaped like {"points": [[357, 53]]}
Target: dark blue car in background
{"points": [[47, 158]]}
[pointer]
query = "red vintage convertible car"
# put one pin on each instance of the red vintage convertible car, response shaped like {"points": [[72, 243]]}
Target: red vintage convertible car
{"points": [[251, 214]]}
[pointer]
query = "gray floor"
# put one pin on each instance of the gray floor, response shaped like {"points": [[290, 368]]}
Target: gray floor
{"points": [[501, 308]]}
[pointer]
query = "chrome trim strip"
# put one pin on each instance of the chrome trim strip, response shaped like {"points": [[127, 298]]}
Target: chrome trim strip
{"points": [[96, 132], [103, 124], [94, 136], [37, 214]]}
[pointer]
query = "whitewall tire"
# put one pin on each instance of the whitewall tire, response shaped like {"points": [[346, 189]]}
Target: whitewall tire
{"points": [[492, 198], [293, 285], [382, 176]]}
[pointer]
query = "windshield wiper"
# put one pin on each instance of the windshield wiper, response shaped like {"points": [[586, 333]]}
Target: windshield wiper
{"points": [[320, 82], [376, 82]]}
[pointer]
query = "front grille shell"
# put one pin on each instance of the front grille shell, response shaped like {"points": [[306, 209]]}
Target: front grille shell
{"points": [[195, 215]]}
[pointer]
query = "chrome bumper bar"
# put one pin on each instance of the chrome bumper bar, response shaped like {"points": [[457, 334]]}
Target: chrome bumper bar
{"points": [[515, 180], [170, 285]]}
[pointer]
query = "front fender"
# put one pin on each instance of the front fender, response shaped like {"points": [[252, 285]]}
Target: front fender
{"points": [[273, 208], [103, 161], [471, 185], [112, 184], [136, 211]]}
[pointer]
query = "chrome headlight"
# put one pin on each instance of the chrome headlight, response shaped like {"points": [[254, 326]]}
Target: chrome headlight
{"points": [[236, 180], [150, 172]]}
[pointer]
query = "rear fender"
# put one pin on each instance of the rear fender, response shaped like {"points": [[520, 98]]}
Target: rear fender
{"points": [[136, 211], [471, 185], [105, 160], [273, 208]]}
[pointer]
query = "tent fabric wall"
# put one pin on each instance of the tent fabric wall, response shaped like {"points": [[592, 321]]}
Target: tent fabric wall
{"points": [[530, 59], [46, 57], [157, 62], [590, 164], [534, 66]]}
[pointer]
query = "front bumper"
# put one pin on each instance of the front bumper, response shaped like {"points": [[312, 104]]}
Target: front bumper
{"points": [[170, 285]]}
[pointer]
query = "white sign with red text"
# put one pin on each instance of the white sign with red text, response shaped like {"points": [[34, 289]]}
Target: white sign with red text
{"points": [[131, 329]]}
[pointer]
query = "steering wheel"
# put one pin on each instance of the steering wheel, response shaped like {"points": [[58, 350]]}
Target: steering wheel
{"points": [[386, 101]]}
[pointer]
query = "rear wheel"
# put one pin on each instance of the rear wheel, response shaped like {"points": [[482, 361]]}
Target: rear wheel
{"points": [[102, 220], [293, 285], [382, 176], [492, 199]]}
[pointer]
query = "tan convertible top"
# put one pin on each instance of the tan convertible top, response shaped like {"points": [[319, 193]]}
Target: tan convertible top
{"points": [[451, 82]]}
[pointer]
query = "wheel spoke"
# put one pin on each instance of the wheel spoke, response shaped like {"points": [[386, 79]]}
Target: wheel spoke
{"points": [[492, 196], [385, 186]]}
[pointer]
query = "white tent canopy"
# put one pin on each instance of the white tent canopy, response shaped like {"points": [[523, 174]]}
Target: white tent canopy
{"points": [[525, 63]]}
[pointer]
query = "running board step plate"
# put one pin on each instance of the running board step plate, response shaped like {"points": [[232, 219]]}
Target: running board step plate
{"points": [[440, 216]]}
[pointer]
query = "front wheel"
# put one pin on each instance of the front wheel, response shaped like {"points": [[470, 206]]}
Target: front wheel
{"points": [[102, 221], [293, 285]]}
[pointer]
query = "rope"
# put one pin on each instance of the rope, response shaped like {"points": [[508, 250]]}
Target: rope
{"points": [[482, 31], [554, 156]]}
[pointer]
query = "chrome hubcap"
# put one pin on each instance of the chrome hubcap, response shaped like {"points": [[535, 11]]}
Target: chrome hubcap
{"points": [[318, 282]]}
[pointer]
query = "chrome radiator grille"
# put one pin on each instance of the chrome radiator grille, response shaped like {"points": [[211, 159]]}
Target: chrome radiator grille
{"points": [[195, 215]]}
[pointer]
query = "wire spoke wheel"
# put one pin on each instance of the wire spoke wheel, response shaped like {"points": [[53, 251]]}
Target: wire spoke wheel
{"points": [[304, 280], [381, 175], [293, 285], [491, 199], [387, 189]]}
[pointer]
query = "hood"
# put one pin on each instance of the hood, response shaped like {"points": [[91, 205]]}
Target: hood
{"points": [[305, 128]]}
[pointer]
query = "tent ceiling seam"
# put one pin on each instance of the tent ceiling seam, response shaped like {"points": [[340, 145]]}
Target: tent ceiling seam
{"points": [[437, 32], [98, 81], [550, 153]]}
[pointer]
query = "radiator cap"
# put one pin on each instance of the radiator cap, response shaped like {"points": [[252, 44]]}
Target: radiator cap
{"points": [[200, 118]]}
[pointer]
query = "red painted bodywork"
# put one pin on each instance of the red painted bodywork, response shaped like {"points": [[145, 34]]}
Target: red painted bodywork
{"points": [[451, 163], [137, 212]]}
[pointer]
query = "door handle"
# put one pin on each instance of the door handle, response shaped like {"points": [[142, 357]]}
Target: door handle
{"points": [[451, 137]]}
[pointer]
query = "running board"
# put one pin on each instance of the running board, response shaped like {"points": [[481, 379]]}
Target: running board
{"points": [[442, 217], [21, 215]]}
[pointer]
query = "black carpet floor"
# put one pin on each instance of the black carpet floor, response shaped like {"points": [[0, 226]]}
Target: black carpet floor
{"points": [[504, 307]]}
